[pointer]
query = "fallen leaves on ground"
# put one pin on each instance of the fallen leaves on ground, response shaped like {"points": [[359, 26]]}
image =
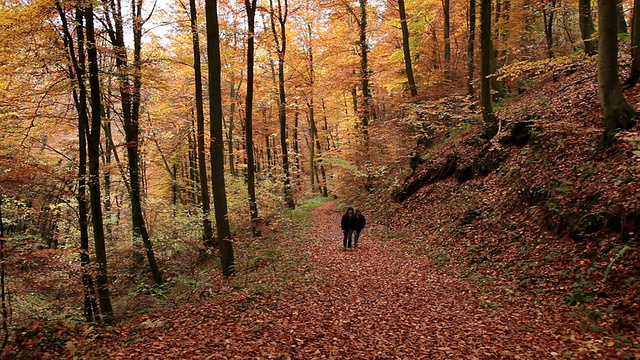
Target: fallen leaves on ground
{"points": [[383, 300]]}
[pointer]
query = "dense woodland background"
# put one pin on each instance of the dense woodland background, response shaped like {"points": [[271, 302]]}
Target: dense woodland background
{"points": [[146, 147]]}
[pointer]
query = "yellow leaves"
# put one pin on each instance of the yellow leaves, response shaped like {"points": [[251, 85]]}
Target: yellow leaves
{"points": [[71, 347]]}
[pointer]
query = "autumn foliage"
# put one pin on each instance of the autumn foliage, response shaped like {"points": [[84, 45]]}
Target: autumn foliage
{"points": [[503, 207]]}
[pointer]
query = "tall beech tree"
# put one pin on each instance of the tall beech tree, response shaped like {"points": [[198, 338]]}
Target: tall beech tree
{"points": [[207, 233], [88, 144], [217, 139], [406, 49], [278, 17], [587, 29], [250, 8], [635, 45], [446, 12], [77, 75], [491, 122], [471, 47], [130, 90], [618, 113]]}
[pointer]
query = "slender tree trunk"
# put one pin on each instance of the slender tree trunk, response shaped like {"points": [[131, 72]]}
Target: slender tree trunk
{"points": [[471, 47], [217, 141], [77, 68], [548, 15], [618, 114], [296, 145], [207, 230], [447, 39], [107, 176], [232, 110], [93, 143], [130, 99], [280, 37], [491, 122], [586, 26], [635, 45], [406, 48]]}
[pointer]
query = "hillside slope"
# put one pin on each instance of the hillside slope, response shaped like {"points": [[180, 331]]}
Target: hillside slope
{"points": [[538, 209]]}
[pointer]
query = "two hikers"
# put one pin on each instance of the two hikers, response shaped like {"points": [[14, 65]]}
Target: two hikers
{"points": [[352, 220]]}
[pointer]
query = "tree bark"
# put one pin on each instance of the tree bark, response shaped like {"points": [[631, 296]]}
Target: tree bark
{"points": [[207, 229], [618, 114], [232, 110], [406, 49], [250, 7], [93, 142], [548, 15], [471, 47], [217, 141], [635, 45], [587, 28], [77, 75], [280, 39], [447, 40], [491, 122], [622, 22], [130, 99]]}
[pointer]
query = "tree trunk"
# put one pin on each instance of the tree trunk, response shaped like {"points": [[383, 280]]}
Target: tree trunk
{"points": [[586, 26], [471, 47], [296, 145], [207, 230], [217, 141], [489, 117], [622, 22], [93, 143], [618, 114], [280, 39], [447, 39], [548, 15], [107, 156], [80, 99], [406, 48], [635, 45], [232, 110], [250, 7], [130, 99]]}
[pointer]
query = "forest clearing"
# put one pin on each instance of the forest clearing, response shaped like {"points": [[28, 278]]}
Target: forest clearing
{"points": [[175, 178]]}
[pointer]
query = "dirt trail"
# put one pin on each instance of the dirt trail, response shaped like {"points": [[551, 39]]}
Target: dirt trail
{"points": [[380, 301]]}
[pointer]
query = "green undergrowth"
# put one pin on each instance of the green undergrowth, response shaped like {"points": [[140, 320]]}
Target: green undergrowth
{"points": [[276, 261]]}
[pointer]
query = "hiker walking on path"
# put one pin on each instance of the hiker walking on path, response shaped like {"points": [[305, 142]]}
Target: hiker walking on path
{"points": [[360, 223], [348, 224]]}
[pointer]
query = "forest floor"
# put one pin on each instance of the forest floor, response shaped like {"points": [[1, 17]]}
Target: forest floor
{"points": [[386, 299]]}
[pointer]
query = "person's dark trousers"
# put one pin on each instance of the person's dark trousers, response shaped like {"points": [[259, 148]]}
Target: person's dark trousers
{"points": [[355, 241], [344, 241]]}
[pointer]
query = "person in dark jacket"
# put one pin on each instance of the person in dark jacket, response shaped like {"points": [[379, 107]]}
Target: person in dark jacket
{"points": [[348, 223], [360, 223]]}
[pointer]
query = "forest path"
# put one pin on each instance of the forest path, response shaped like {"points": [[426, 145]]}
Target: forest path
{"points": [[383, 300]]}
